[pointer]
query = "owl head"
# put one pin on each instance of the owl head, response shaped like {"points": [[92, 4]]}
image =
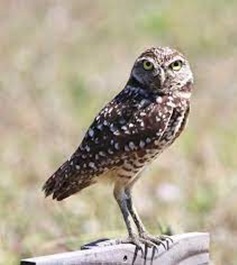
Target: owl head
{"points": [[162, 70]]}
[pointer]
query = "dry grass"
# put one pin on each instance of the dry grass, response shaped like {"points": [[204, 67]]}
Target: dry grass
{"points": [[60, 61]]}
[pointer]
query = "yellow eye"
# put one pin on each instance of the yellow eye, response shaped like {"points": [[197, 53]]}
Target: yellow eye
{"points": [[176, 65], [148, 66]]}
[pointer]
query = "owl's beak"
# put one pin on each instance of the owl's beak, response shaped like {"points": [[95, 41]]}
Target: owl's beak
{"points": [[159, 78]]}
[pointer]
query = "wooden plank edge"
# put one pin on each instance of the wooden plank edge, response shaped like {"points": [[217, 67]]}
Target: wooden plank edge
{"points": [[185, 248]]}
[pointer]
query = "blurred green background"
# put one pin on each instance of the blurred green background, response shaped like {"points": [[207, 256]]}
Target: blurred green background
{"points": [[60, 62]]}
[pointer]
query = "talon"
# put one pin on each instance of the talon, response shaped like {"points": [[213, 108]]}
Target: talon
{"points": [[148, 243], [133, 240], [144, 241], [157, 241], [137, 243], [167, 239]]}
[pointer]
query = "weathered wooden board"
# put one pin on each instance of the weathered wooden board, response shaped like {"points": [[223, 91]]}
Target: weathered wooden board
{"points": [[186, 249]]}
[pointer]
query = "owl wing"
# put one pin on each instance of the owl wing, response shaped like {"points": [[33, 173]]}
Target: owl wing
{"points": [[123, 126]]}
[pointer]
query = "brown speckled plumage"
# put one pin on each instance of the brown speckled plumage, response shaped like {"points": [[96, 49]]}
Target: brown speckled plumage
{"points": [[131, 130]]}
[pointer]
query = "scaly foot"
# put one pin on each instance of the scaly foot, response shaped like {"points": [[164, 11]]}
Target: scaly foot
{"points": [[157, 240], [140, 242]]}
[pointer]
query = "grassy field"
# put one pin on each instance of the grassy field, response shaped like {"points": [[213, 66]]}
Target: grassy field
{"points": [[60, 62]]}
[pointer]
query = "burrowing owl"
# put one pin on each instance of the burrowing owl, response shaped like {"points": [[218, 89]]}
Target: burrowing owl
{"points": [[129, 132]]}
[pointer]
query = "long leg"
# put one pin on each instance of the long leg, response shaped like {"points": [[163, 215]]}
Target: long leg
{"points": [[140, 226], [132, 210], [122, 200]]}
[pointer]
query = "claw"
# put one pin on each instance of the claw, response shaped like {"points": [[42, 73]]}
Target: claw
{"points": [[149, 244], [133, 240], [145, 241], [140, 243], [165, 237], [161, 240], [168, 240]]}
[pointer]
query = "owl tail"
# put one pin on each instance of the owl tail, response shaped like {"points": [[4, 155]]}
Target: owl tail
{"points": [[64, 182]]}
